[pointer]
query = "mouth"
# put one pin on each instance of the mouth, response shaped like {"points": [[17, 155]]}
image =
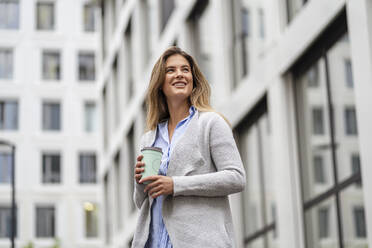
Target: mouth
{"points": [[179, 84]]}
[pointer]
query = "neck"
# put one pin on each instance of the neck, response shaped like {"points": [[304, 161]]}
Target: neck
{"points": [[178, 112]]}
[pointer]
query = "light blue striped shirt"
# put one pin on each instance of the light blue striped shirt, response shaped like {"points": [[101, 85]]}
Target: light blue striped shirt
{"points": [[158, 237]]}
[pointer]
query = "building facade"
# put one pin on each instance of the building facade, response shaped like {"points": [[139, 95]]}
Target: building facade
{"points": [[294, 79], [48, 110]]}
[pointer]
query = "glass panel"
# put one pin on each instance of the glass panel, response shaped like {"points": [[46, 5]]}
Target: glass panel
{"points": [[6, 222], [132, 152], [353, 217], [348, 71], [51, 168], [45, 222], [5, 167], [343, 99], [86, 66], [89, 17], [259, 207], [167, 7], [51, 66], [45, 16], [87, 168], [91, 220], [6, 64], [51, 116], [9, 14], [90, 117], [8, 115], [261, 29], [293, 7], [252, 203], [321, 225], [313, 121], [201, 40]]}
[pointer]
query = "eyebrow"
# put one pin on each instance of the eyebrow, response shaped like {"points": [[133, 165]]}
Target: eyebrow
{"points": [[182, 66]]}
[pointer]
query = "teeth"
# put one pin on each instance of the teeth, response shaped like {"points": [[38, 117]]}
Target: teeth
{"points": [[179, 84]]}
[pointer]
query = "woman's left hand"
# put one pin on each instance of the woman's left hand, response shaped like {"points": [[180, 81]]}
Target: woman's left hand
{"points": [[160, 185]]}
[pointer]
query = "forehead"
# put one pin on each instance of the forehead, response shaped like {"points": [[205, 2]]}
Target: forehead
{"points": [[176, 60]]}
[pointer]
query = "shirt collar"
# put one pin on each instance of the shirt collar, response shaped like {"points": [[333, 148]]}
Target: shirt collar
{"points": [[163, 126]]}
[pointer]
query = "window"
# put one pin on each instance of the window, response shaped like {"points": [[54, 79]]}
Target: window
{"points": [[87, 168], [91, 220], [129, 61], [355, 167], [89, 17], [348, 73], [293, 7], [318, 120], [328, 53], [241, 29], [45, 222], [319, 169], [198, 24], [246, 22], [167, 7], [261, 18], [9, 14], [5, 167], [359, 222], [51, 116], [45, 15], [90, 117], [8, 115], [51, 168], [51, 65], [6, 222], [313, 76], [86, 66], [6, 63], [350, 121], [323, 222], [258, 198], [131, 157]]}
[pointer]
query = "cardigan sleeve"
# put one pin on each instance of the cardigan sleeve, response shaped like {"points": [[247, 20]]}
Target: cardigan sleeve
{"points": [[138, 194], [230, 175]]}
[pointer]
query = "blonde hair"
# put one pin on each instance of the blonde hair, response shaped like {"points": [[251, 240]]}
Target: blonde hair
{"points": [[157, 108]]}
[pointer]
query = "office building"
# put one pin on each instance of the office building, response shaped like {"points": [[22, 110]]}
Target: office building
{"points": [[294, 79], [48, 110]]}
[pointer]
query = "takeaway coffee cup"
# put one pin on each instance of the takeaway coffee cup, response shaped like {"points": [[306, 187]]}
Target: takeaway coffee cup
{"points": [[152, 159]]}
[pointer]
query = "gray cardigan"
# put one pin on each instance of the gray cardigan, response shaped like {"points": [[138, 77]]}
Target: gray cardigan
{"points": [[206, 167]]}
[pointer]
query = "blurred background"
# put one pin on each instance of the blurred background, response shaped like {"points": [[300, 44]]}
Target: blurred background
{"points": [[293, 77]]}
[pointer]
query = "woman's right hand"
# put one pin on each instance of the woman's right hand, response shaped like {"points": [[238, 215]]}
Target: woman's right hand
{"points": [[139, 168]]}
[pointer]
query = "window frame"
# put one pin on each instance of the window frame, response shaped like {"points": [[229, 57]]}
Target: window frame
{"points": [[43, 120], [54, 222], [9, 53], [7, 25], [38, 26], [318, 50]]}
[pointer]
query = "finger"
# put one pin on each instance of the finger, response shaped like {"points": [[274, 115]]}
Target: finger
{"points": [[138, 177], [139, 170], [157, 194], [150, 178], [151, 185], [139, 158], [140, 164], [157, 189]]}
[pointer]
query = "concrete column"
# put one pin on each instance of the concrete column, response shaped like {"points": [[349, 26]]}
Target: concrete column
{"points": [[360, 26], [289, 224]]}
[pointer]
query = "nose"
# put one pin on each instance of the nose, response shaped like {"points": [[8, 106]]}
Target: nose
{"points": [[179, 73]]}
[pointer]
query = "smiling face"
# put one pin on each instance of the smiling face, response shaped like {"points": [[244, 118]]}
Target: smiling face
{"points": [[178, 82]]}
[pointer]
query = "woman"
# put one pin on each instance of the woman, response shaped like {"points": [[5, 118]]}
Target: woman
{"points": [[187, 204]]}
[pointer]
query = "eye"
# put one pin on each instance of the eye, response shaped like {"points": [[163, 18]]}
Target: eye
{"points": [[186, 69], [169, 70]]}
